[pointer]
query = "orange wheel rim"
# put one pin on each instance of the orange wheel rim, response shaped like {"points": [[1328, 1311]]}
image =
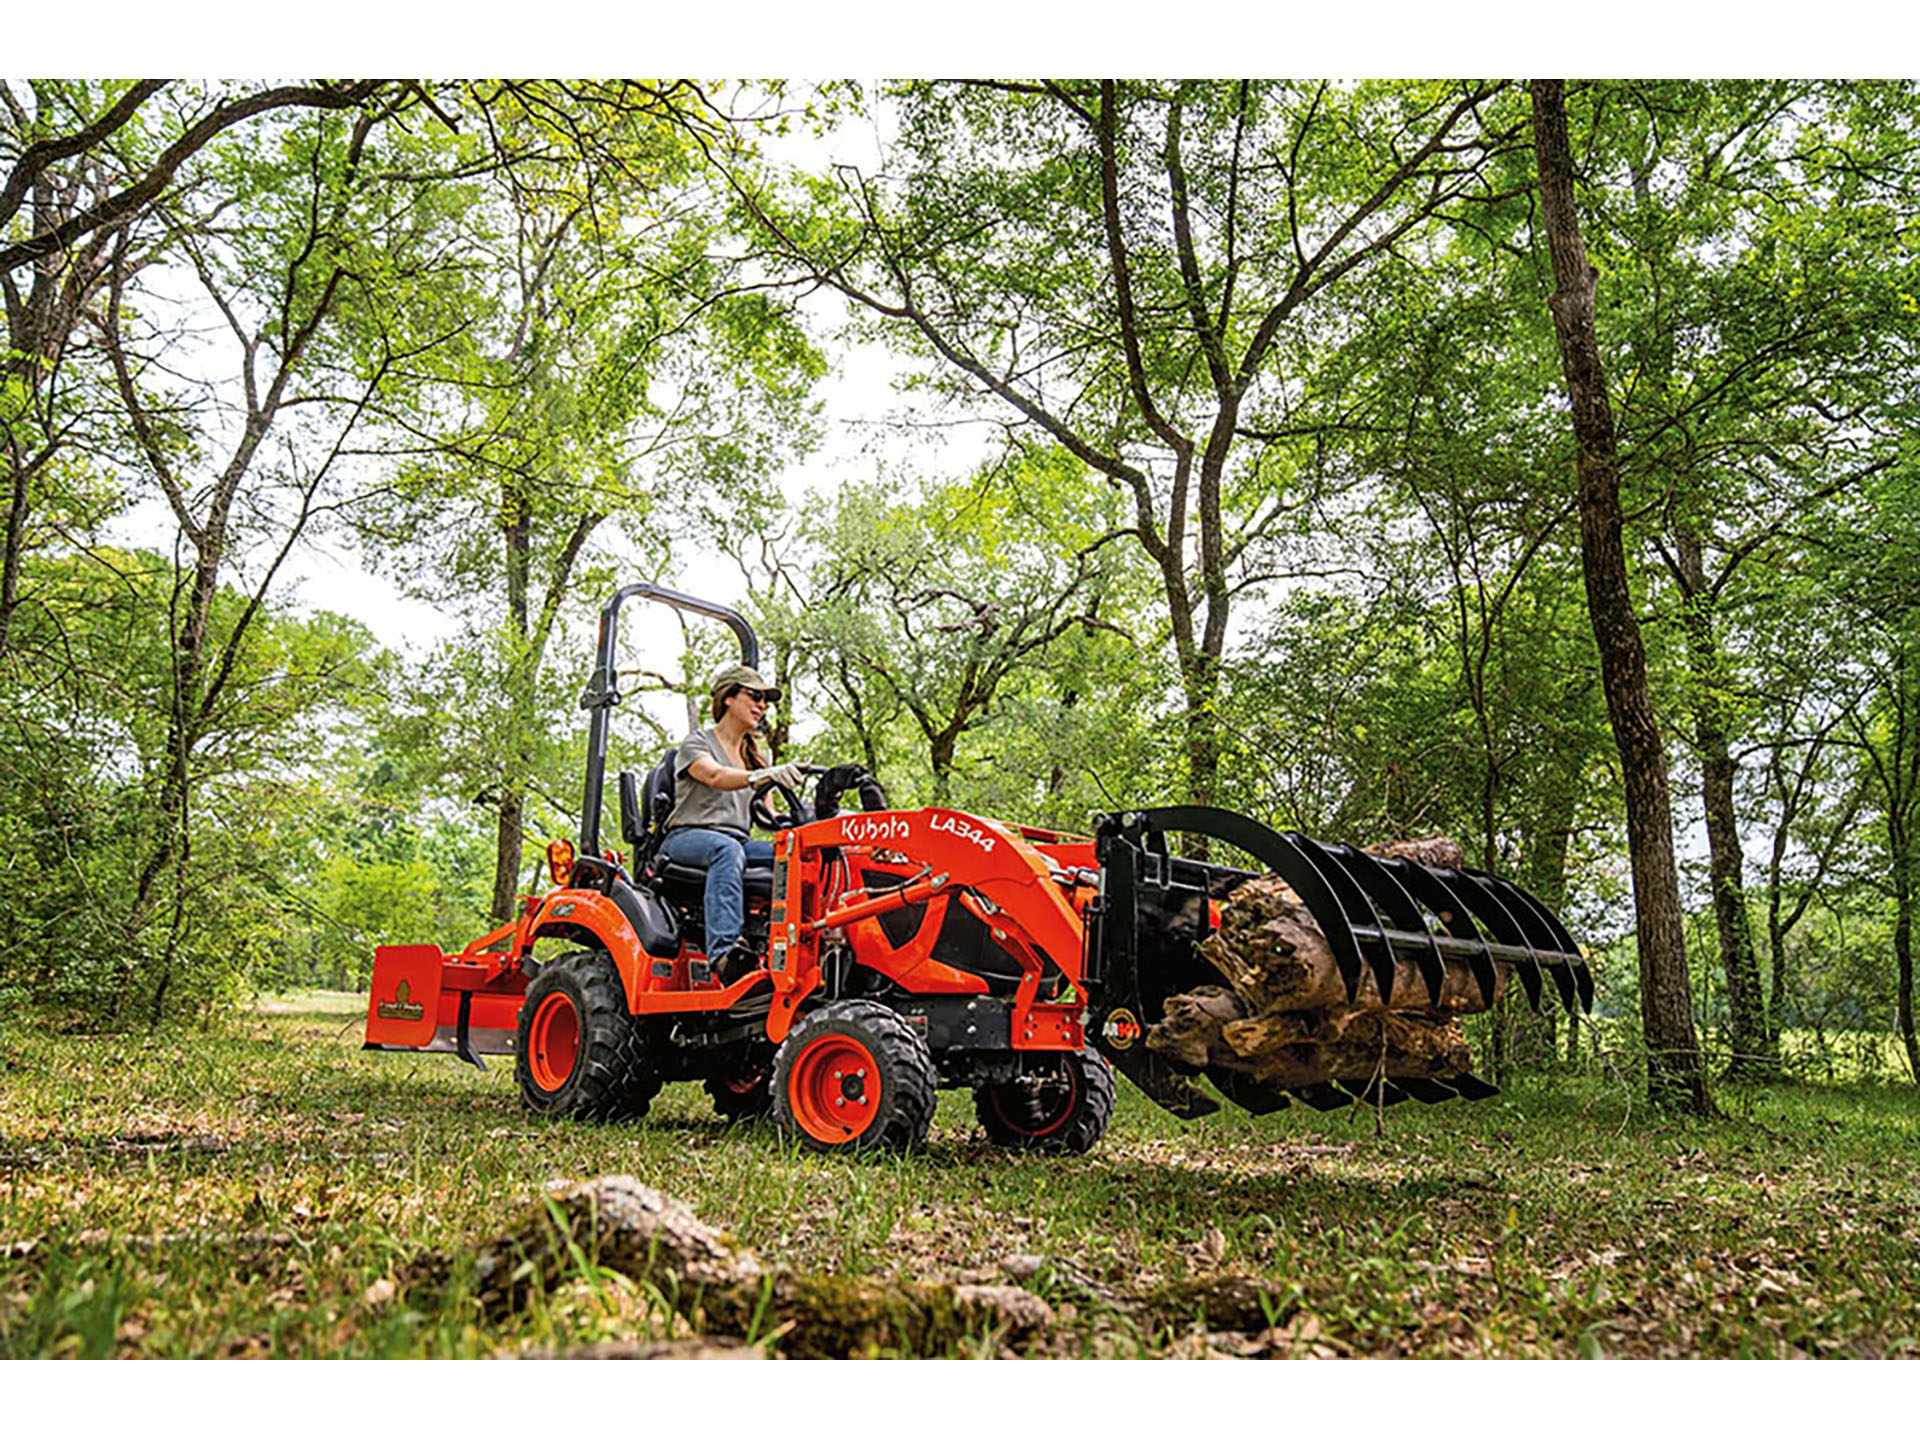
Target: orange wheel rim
{"points": [[833, 1089], [1026, 1125], [554, 1041]]}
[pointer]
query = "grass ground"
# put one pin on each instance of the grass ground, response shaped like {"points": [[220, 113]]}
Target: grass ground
{"points": [[267, 1190]]}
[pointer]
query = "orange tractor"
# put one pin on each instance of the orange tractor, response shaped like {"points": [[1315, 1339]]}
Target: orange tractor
{"points": [[905, 951]]}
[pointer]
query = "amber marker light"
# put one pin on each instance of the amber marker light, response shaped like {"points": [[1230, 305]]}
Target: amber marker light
{"points": [[560, 860]]}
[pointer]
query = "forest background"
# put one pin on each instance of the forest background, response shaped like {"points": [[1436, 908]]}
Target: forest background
{"points": [[1233, 461]]}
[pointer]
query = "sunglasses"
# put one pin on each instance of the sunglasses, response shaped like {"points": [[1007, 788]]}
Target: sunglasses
{"points": [[761, 695]]}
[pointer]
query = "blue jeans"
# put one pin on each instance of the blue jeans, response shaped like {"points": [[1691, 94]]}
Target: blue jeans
{"points": [[723, 858]]}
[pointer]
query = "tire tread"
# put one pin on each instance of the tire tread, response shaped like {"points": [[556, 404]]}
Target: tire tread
{"points": [[615, 1078], [1084, 1127], [915, 1089]]}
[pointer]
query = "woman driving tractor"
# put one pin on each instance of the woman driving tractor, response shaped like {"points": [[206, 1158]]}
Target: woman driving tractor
{"points": [[716, 772]]}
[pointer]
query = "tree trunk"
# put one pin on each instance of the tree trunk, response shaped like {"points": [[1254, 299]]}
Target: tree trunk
{"points": [[508, 838], [1902, 772], [779, 726], [1903, 953], [1792, 795], [1201, 675], [1546, 877], [1545, 867], [39, 324], [1754, 1052], [510, 833], [940, 748], [1057, 773], [1776, 925], [15, 541], [1675, 1075]]}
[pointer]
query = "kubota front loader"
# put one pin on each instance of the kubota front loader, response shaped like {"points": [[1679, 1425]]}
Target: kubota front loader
{"points": [[905, 951]]}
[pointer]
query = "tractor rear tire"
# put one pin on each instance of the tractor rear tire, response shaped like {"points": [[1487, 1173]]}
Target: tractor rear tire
{"points": [[853, 1075], [742, 1098], [1064, 1111], [580, 1054]]}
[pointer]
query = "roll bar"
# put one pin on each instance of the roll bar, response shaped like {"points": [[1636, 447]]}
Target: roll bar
{"points": [[603, 689]]}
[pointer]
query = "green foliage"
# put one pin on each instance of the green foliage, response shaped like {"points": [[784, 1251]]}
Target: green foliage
{"points": [[82, 757], [618, 376], [965, 638], [549, 346]]}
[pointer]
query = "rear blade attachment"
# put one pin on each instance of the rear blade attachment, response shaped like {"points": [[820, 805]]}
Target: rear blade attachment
{"points": [[1404, 936]]}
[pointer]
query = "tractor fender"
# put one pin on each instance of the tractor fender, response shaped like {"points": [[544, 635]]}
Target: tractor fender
{"points": [[590, 918]]}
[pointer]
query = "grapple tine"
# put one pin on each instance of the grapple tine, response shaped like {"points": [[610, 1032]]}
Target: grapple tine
{"points": [[1552, 937], [1246, 1092], [1471, 886], [1437, 895], [1378, 878], [1472, 1087], [1527, 911], [1426, 1091], [1164, 1085], [1354, 902], [1562, 941], [1323, 1097], [1380, 1092]]}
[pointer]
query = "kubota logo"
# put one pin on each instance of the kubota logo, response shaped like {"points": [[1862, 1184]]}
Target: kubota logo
{"points": [[401, 1007], [874, 829], [1121, 1030]]}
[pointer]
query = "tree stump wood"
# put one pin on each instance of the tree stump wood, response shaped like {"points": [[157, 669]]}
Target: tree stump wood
{"points": [[1283, 1016], [724, 1288]]}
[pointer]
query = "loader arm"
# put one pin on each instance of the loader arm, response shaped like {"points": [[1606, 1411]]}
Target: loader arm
{"points": [[933, 860]]}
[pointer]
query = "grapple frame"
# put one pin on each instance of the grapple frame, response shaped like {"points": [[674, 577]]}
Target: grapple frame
{"points": [[1143, 927]]}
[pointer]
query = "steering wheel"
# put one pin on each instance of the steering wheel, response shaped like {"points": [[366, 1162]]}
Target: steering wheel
{"points": [[767, 818], [836, 780]]}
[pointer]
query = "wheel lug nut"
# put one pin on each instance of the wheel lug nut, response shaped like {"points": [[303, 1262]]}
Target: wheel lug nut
{"points": [[839, 1099]]}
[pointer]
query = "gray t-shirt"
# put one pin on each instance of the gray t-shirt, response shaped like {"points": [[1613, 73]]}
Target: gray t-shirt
{"points": [[702, 805]]}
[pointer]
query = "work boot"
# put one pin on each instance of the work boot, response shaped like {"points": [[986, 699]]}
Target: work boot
{"points": [[740, 961]]}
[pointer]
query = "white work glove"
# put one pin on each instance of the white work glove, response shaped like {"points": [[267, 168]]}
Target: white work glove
{"points": [[787, 775]]}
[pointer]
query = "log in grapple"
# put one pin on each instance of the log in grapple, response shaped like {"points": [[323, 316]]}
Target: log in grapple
{"points": [[904, 951]]}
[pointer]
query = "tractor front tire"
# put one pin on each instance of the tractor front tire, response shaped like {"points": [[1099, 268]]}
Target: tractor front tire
{"points": [[853, 1075], [1065, 1109], [580, 1054]]}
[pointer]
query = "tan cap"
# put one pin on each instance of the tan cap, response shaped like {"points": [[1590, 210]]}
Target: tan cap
{"points": [[746, 678]]}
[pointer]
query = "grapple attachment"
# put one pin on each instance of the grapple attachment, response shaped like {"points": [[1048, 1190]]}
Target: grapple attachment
{"points": [[1403, 937]]}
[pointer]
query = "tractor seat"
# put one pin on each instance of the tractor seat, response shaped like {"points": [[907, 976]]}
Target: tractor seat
{"points": [[756, 882]]}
